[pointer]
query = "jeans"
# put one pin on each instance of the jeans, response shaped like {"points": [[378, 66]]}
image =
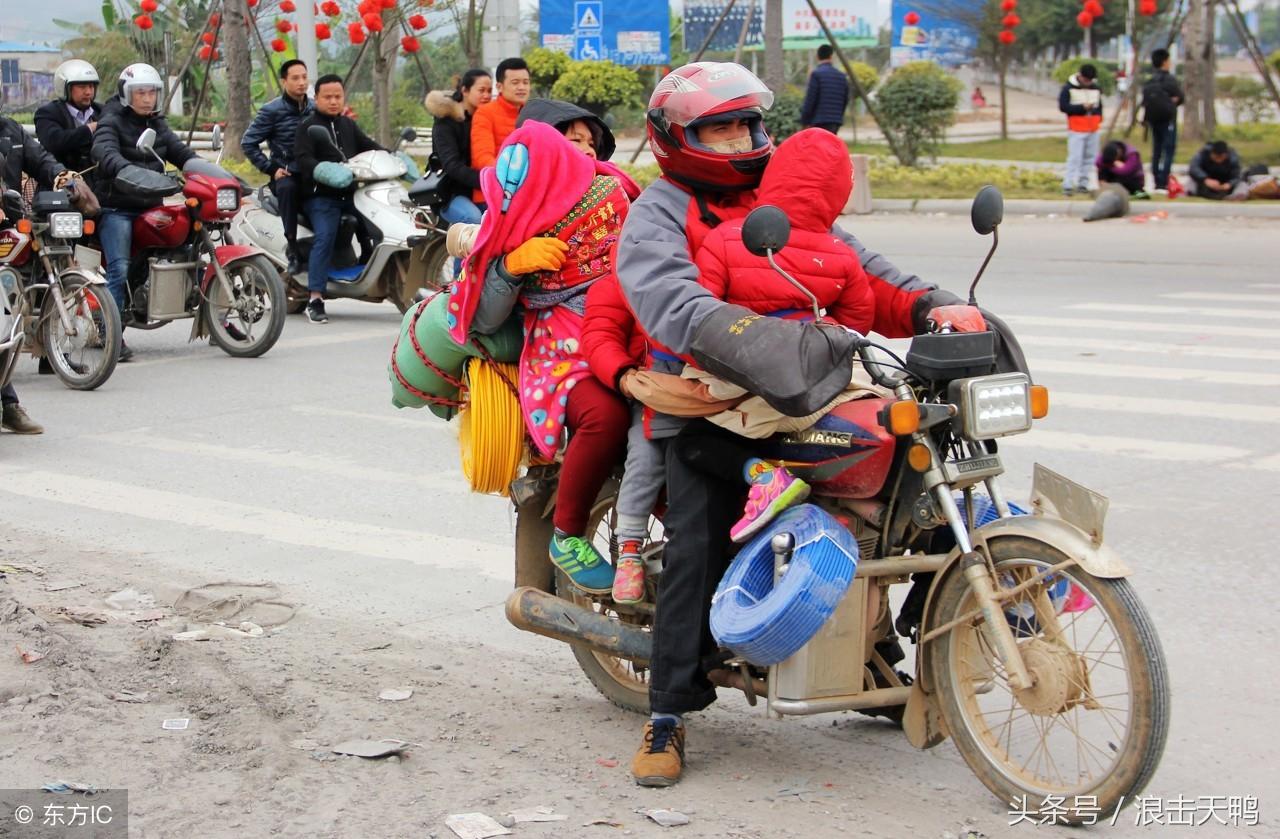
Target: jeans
{"points": [[325, 214], [702, 509], [1082, 148], [461, 210], [1164, 140], [115, 231], [286, 192]]}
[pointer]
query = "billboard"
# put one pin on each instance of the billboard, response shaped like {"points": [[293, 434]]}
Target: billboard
{"points": [[632, 34], [852, 22], [947, 38]]}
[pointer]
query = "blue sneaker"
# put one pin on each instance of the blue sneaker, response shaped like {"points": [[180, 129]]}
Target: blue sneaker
{"points": [[581, 563]]}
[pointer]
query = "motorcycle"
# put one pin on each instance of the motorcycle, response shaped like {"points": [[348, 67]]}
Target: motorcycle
{"points": [[407, 256], [183, 266], [55, 308], [1033, 652]]}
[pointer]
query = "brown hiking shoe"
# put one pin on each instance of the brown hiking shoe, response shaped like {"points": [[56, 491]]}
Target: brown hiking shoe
{"points": [[661, 756], [16, 420]]}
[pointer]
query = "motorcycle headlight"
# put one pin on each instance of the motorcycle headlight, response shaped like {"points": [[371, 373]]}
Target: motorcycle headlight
{"points": [[992, 406], [228, 199], [66, 225]]}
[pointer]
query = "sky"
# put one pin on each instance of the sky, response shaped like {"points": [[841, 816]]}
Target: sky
{"points": [[33, 22]]}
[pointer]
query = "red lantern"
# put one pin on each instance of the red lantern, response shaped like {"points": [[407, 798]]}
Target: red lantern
{"points": [[1147, 8], [388, 4], [1007, 37], [323, 33], [144, 22], [215, 19], [373, 22], [366, 6], [427, 3], [330, 8], [149, 6], [1008, 5], [283, 26], [252, 3], [417, 21], [1084, 19], [206, 53], [1094, 8], [356, 33], [1011, 21], [287, 6], [911, 18], [410, 44], [279, 45], [207, 38]]}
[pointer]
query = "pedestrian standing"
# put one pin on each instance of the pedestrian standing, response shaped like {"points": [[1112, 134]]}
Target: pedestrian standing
{"points": [[1161, 97], [1081, 101], [827, 96]]}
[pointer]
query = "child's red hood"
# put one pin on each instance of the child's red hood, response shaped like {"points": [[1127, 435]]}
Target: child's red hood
{"points": [[809, 177]]}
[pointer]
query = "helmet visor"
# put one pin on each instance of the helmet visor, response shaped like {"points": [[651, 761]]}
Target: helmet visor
{"points": [[713, 88]]}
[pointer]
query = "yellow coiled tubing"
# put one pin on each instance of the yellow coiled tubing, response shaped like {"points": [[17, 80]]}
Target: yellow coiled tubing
{"points": [[490, 427]]}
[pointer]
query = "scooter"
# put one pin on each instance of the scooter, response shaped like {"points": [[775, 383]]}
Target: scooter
{"points": [[404, 254]]}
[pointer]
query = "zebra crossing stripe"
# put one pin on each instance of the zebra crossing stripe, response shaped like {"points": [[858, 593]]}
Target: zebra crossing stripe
{"points": [[1067, 323], [1158, 407], [1104, 369], [1222, 297], [1140, 447], [1206, 350], [1192, 311]]}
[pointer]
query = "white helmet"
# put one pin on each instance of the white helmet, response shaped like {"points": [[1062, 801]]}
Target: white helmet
{"points": [[139, 77], [72, 72]]}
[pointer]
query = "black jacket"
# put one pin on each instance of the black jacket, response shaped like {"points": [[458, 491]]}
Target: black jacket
{"points": [[349, 138], [1203, 166], [1161, 96], [114, 148], [63, 138], [277, 124], [826, 97], [559, 114], [451, 142], [21, 153]]}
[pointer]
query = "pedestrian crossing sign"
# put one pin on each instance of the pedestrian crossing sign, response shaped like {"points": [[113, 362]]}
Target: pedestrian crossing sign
{"points": [[588, 15]]}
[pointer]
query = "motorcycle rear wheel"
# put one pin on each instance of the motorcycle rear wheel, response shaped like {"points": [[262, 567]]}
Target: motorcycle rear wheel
{"points": [[257, 310], [1087, 737], [96, 345], [619, 680], [436, 258]]}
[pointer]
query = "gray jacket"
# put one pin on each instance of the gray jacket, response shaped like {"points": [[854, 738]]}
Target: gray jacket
{"points": [[660, 281]]}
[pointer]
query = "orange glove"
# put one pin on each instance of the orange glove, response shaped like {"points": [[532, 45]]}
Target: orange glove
{"points": [[541, 253]]}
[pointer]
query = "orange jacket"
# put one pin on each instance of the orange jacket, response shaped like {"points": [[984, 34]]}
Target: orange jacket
{"points": [[490, 126]]}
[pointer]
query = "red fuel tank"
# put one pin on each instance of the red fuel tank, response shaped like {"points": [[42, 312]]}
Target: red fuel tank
{"points": [[166, 226], [847, 454]]}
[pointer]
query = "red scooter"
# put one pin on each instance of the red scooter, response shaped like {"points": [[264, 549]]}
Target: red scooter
{"points": [[182, 265]]}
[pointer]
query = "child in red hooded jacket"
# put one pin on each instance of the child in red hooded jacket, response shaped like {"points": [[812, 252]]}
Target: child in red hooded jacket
{"points": [[809, 178]]}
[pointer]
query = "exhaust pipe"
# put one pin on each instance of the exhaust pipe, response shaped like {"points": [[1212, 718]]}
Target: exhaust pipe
{"points": [[545, 614]]}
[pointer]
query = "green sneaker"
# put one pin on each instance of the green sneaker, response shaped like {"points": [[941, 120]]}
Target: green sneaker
{"points": [[581, 563]]}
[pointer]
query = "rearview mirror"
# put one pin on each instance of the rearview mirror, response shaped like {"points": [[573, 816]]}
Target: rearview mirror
{"points": [[766, 229], [988, 210], [320, 136], [408, 135], [146, 140]]}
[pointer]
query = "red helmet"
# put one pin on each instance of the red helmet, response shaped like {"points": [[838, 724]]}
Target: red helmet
{"points": [[699, 94]]}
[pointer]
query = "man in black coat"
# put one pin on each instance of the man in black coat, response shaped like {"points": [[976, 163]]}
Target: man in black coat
{"points": [[21, 154], [1161, 97], [65, 126], [324, 198], [277, 125], [827, 96], [133, 110]]}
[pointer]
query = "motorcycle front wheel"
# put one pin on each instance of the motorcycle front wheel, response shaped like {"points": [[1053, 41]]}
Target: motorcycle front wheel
{"points": [[84, 357], [1086, 738], [249, 322]]}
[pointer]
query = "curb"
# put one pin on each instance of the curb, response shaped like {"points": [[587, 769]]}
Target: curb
{"points": [[1077, 207]]}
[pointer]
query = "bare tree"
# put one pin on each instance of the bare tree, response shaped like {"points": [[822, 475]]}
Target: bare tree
{"points": [[235, 43], [1199, 120], [468, 17], [775, 60], [384, 73]]}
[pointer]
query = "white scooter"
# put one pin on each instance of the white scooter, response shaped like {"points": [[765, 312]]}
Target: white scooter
{"points": [[406, 257]]}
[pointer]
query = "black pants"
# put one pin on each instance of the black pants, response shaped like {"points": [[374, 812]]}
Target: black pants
{"points": [[8, 395], [1133, 183], [833, 127], [702, 509], [714, 451], [286, 192]]}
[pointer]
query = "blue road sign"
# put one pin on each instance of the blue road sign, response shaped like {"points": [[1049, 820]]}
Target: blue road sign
{"points": [[622, 31]]}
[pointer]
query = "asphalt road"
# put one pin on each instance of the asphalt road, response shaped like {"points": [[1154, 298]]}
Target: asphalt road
{"points": [[1159, 343]]}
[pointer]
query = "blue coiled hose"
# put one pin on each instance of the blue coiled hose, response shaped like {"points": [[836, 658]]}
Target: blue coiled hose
{"points": [[766, 625]]}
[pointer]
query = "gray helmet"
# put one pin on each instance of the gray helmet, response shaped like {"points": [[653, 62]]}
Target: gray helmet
{"points": [[72, 72]]}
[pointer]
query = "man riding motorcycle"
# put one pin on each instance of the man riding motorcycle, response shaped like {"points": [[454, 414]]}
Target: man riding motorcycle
{"points": [[706, 130], [133, 110], [65, 126], [19, 155]]}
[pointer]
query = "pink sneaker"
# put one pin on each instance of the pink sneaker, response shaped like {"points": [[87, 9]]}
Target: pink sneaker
{"points": [[767, 498], [628, 581]]}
